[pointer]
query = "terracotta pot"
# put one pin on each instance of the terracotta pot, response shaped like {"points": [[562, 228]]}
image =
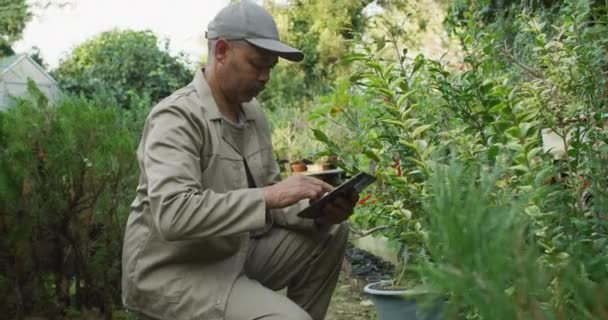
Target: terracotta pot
{"points": [[298, 167]]}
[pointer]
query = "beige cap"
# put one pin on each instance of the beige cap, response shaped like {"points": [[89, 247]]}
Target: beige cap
{"points": [[250, 22]]}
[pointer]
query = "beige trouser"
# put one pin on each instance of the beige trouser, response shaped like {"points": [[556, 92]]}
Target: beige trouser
{"points": [[306, 264]]}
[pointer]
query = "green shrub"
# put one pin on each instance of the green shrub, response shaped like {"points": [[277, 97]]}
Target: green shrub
{"points": [[125, 66], [67, 172], [485, 257], [400, 116]]}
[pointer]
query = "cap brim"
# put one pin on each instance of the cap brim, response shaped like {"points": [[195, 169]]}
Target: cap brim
{"points": [[282, 50]]}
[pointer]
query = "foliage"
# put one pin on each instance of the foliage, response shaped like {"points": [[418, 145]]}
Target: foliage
{"points": [[66, 173], [480, 239], [127, 66], [384, 128], [400, 116], [290, 136], [14, 14], [322, 29]]}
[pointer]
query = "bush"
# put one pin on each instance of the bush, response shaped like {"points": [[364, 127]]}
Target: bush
{"points": [[484, 254], [402, 116], [126, 66], [66, 175]]}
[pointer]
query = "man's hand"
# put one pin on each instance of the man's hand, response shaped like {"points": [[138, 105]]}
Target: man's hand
{"points": [[294, 189], [339, 210]]}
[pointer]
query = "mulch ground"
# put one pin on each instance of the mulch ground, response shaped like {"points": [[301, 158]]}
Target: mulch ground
{"points": [[349, 302]]}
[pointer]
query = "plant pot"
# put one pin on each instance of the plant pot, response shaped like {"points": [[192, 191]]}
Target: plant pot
{"points": [[314, 167], [298, 167], [394, 304]]}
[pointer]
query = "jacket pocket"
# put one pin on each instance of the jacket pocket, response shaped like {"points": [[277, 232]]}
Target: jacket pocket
{"points": [[224, 172], [263, 166]]}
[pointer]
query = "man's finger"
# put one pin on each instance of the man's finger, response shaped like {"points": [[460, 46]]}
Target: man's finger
{"points": [[326, 186]]}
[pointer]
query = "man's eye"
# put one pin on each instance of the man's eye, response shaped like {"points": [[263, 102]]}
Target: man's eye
{"points": [[256, 66]]}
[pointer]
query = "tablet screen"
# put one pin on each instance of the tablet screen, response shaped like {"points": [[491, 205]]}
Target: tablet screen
{"points": [[354, 185]]}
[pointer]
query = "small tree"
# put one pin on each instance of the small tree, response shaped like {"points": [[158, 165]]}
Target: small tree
{"points": [[124, 65], [66, 176], [14, 14]]}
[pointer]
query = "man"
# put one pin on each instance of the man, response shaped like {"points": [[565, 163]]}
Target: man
{"points": [[212, 232]]}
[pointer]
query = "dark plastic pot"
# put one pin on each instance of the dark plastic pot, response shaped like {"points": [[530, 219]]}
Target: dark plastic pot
{"points": [[402, 304]]}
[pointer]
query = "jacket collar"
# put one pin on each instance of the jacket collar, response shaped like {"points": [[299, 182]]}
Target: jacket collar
{"points": [[208, 103]]}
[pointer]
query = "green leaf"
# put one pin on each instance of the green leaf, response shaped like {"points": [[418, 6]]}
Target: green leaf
{"points": [[418, 131], [418, 62], [351, 57], [532, 153], [409, 144], [368, 153], [520, 168], [421, 165], [403, 97], [388, 93], [319, 135], [513, 132], [410, 122], [395, 122]]}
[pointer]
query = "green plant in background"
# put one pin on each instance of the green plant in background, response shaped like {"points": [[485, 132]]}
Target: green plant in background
{"points": [[126, 66], [14, 14], [322, 29], [66, 175], [290, 135]]}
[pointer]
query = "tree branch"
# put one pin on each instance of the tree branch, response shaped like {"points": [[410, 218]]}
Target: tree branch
{"points": [[364, 233]]}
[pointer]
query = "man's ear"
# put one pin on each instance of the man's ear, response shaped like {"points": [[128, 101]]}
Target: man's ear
{"points": [[221, 50]]}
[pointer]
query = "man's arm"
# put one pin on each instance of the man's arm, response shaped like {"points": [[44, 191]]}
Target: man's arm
{"points": [[182, 209]]}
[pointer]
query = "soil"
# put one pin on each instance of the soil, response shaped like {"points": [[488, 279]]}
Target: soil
{"points": [[367, 267]]}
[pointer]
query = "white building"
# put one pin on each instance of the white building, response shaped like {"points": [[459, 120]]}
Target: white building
{"points": [[14, 74]]}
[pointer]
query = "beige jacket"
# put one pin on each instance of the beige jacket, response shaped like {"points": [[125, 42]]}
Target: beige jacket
{"points": [[187, 235]]}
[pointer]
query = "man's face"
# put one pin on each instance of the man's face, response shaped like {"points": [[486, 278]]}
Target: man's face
{"points": [[245, 71]]}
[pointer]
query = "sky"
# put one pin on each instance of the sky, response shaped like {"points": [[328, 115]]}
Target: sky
{"points": [[58, 30]]}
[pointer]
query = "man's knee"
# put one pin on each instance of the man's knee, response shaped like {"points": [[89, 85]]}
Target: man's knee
{"points": [[340, 236], [300, 315], [343, 231]]}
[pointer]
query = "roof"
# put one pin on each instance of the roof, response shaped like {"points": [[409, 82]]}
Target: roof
{"points": [[7, 62]]}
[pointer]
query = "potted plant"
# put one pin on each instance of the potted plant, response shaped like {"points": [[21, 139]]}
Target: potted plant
{"points": [[405, 295], [394, 303]]}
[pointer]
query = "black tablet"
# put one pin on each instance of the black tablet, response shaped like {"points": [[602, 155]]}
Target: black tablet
{"points": [[353, 185]]}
